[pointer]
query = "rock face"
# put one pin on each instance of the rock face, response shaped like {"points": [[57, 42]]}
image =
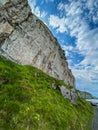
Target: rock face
{"points": [[26, 40], [69, 94]]}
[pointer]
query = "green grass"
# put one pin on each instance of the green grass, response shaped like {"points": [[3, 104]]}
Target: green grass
{"points": [[28, 101]]}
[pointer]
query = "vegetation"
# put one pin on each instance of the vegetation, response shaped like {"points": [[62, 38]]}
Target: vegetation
{"points": [[28, 101], [86, 95]]}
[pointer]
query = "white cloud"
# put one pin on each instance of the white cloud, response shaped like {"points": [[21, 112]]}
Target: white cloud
{"points": [[32, 4], [36, 9], [43, 14], [96, 68], [87, 44], [67, 53], [60, 6], [73, 9], [87, 73], [92, 6], [68, 48], [49, 0], [58, 23]]}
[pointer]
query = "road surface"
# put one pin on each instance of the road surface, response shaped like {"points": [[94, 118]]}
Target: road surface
{"points": [[95, 119]]}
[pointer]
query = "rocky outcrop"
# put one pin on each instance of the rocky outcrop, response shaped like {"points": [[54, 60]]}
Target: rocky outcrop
{"points": [[69, 94], [26, 40]]}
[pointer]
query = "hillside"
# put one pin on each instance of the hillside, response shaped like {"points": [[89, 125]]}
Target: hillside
{"points": [[26, 40], [86, 95], [28, 101]]}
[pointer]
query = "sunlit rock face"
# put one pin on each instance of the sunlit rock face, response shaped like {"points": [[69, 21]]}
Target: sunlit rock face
{"points": [[26, 40]]}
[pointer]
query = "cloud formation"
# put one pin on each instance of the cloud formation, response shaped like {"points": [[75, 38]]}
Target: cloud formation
{"points": [[58, 23], [77, 15], [36, 9], [49, 0]]}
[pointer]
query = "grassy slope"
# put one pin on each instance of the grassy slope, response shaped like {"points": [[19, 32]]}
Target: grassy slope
{"points": [[28, 102]]}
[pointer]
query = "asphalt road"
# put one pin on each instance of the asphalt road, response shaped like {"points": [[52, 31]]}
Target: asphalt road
{"points": [[95, 119]]}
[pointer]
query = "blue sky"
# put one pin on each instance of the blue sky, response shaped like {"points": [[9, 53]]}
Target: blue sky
{"points": [[75, 24]]}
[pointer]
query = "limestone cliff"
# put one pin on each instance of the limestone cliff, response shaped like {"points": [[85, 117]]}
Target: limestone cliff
{"points": [[26, 40]]}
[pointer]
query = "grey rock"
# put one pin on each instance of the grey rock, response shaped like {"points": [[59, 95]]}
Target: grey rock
{"points": [[5, 30], [3, 2], [69, 94]]}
